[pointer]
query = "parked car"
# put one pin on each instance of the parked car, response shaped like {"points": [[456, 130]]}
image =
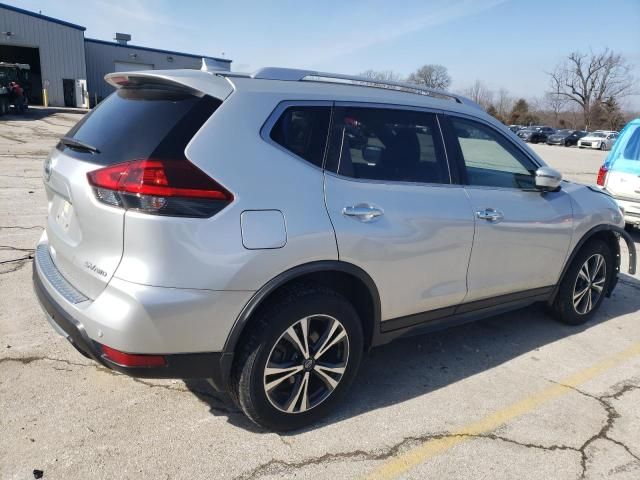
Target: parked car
{"points": [[598, 140], [516, 128], [212, 224], [535, 134], [620, 173], [565, 137]]}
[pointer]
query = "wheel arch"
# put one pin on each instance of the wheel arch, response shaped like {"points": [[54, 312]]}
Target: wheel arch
{"points": [[345, 278], [610, 234]]}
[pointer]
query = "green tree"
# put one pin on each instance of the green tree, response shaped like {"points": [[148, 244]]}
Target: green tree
{"points": [[519, 113]]}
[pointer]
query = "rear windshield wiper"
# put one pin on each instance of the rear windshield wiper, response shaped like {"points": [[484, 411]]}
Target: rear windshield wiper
{"points": [[78, 145]]}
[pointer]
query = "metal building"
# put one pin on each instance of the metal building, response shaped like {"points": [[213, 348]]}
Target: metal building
{"points": [[106, 57], [54, 49], [72, 68]]}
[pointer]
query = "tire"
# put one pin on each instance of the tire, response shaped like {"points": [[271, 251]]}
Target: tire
{"points": [[564, 309], [567, 144], [288, 405], [4, 106], [603, 146]]}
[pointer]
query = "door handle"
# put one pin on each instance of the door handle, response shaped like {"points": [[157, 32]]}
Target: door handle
{"points": [[490, 214], [364, 213]]}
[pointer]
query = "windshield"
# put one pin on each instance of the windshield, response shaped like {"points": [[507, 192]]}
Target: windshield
{"points": [[563, 132], [597, 135]]}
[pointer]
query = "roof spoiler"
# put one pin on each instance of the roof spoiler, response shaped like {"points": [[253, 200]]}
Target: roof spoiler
{"points": [[194, 82]]}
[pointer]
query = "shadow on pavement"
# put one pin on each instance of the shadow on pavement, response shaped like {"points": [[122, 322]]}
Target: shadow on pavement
{"points": [[37, 113], [414, 366]]}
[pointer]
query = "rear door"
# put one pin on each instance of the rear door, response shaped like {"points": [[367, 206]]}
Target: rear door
{"points": [[85, 235], [395, 211], [522, 235]]}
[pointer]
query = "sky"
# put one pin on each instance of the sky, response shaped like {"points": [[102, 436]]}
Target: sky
{"points": [[505, 43]]}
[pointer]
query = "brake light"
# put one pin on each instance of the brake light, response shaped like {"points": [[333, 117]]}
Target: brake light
{"points": [[131, 359], [161, 187], [602, 175]]}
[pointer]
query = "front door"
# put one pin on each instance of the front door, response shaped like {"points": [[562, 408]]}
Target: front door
{"points": [[395, 211], [522, 235]]}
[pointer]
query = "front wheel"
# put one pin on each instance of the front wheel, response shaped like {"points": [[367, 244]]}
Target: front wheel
{"points": [[603, 146], [300, 357], [585, 284]]}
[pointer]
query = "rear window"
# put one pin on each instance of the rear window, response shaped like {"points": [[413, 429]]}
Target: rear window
{"points": [[135, 123]]}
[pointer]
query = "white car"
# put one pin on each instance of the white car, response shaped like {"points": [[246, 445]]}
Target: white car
{"points": [[600, 140]]}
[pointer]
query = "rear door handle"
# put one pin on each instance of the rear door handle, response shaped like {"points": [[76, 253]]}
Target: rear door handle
{"points": [[364, 213], [490, 214]]}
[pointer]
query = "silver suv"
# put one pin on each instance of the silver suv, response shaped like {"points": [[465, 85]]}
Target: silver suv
{"points": [[265, 231]]}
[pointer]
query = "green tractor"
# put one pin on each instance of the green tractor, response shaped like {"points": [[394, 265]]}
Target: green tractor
{"points": [[14, 72]]}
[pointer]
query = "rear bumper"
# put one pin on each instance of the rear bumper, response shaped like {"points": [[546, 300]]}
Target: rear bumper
{"points": [[74, 322], [631, 210], [214, 365]]}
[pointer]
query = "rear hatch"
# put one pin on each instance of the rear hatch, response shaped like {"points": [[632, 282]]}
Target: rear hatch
{"points": [[141, 120], [622, 166], [624, 185]]}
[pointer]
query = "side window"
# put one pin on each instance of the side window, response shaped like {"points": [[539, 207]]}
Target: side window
{"points": [[490, 159], [303, 131], [387, 144]]}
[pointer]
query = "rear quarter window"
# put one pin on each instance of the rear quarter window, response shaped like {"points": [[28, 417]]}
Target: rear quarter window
{"points": [[138, 123], [303, 130]]}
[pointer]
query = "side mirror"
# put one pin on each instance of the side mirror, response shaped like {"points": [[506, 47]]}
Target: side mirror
{"points": [[548, 179]]}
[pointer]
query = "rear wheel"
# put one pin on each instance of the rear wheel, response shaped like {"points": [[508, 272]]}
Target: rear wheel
{"points": [[299, 358], [585, 284]]}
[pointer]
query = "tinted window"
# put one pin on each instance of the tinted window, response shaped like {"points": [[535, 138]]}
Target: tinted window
{"points": [[490, 159], [386, 144], [135, 123], [632, 149], [303, 131]]}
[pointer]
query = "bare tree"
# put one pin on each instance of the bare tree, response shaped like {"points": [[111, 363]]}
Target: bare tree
{"points": [[590, 79], [504, 103], [382, 75], [432, 76], [554, 103], [479, 93]]}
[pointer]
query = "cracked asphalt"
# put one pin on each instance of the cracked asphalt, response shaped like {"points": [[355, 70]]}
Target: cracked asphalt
{"points": [[514, 396]]}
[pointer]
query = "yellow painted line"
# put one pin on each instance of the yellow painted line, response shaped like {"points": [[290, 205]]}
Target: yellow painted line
{"points": [[406, 461]]}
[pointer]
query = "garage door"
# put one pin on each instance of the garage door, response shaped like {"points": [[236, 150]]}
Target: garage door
{"points": [[132, 67]]}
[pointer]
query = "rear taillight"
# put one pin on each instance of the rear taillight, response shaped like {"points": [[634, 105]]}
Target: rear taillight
{"points": [[160, 187], [132, 359], [602, 175]]}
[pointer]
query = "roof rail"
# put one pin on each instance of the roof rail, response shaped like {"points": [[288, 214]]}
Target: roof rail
{"points": [[296, 75]]}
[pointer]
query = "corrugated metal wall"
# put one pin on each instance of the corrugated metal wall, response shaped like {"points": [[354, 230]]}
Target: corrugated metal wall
{"points": [[61, 48], [102, 57]]}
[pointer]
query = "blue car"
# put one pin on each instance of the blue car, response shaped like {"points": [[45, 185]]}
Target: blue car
{"points": [[620, 173]]}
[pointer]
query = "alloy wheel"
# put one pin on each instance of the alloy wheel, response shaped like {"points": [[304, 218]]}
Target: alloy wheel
{"points": [[589, 284], [306, 364]]}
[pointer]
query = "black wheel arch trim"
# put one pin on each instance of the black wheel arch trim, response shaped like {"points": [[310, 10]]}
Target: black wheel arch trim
{"points": [[297, 272], [619, 232]]}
